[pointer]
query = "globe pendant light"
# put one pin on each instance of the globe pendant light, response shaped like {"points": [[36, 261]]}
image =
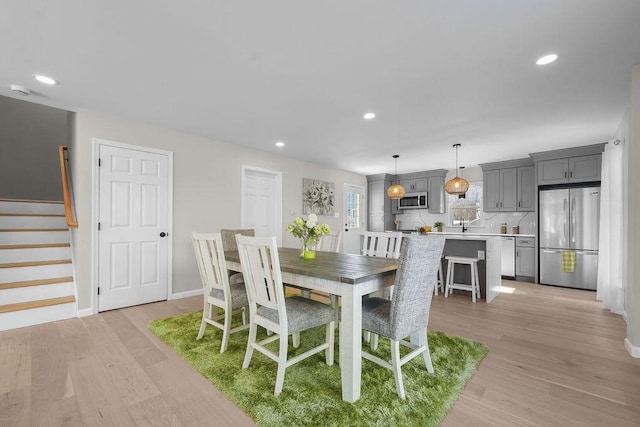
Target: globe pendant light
{"points": [[396, 191], [456, 185]]}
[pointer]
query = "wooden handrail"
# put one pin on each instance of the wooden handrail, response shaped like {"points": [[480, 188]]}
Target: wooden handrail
{"points": [[68, 211]]}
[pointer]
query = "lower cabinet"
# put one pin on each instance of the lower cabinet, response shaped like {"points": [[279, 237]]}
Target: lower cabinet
{"points": [[525, 258]]}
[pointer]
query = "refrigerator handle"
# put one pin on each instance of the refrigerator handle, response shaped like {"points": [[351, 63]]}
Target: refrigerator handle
{"points": [[572, 224], [564, 221]]}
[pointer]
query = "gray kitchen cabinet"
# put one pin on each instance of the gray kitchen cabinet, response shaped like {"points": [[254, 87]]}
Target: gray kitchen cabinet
{"points": [[571, 169], [379, 204], [436, 195], [500, 190], [525, 258], [416, 185], [526, 189]]}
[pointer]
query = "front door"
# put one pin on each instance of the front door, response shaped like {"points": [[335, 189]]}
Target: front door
{"points": [[353, 218], [134, 207]]}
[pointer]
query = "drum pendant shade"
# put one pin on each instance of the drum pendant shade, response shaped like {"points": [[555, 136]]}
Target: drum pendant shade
{"points": [[396, 191], [456, 185]]}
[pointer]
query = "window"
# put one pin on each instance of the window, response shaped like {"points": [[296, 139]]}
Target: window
{"points": [[353, 210], [468, 209]]}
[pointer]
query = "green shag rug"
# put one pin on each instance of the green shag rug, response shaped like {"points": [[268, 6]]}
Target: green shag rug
{"points": [[312, 395]]}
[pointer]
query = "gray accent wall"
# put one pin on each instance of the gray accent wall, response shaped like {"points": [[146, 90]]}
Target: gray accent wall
{"points": [[29, 138]]}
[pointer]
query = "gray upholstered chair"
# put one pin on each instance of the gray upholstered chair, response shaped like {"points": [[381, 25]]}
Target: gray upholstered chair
{"points": [[386, 245], [229, 244], [270, 309], [407, 314], [218, 292]]}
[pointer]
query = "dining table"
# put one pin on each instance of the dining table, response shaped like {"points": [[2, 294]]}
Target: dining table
{"points": [[349, 276]]}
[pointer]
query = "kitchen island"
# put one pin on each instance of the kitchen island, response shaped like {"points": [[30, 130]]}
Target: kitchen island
{"points": [[487, 246]]}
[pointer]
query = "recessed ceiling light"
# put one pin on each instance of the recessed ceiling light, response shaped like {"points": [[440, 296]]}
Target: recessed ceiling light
{"points": [[369, 116], [279, 144], [45, 79], [547, 59]]}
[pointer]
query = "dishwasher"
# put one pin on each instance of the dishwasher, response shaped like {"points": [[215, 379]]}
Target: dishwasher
{"points": [[508, 257]]}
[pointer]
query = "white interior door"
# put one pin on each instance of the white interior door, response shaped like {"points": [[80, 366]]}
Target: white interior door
{"points": [[262, 202], [354, 214], [133, 236]]}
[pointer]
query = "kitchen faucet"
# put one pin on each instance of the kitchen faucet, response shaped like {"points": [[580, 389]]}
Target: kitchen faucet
{"points": [[463, 227]]}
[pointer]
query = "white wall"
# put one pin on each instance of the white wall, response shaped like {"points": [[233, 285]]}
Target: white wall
{"points": [[206, 189], [417, 218], [632, 297]]}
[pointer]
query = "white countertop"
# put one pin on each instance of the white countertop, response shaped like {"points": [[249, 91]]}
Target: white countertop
{"points": [[471, 234]]}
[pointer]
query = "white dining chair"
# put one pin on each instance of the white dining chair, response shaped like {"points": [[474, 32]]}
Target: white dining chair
{"points": [[382, 244], [269, 308], [218, 291], [330, 243], [407, 313]]}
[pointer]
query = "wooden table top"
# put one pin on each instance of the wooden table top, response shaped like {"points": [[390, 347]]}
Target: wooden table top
{"points": [[345, 268]]}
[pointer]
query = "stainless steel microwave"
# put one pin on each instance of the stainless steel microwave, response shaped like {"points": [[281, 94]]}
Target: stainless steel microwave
{"points": [[413, 201]]}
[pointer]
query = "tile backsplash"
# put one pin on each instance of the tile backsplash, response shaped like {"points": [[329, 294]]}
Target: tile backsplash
{"points": [[492, 221]]}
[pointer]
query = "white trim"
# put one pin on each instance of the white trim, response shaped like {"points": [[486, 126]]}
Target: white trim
{"points": [[96, 210], [85, 312], [633, 351], [186, 294], [278, 205]]}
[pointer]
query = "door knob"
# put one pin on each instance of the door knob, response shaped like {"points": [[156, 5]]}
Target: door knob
{"points": [[163, 234]]}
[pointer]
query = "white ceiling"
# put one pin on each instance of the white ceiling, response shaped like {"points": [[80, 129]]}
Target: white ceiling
{"points": [[253, 72]]}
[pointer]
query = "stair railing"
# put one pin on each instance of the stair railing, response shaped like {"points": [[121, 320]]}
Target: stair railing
{"points": [[68, 207]]}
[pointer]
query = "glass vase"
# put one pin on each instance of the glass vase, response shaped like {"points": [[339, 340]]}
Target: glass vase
{"points": [[308, 250]]}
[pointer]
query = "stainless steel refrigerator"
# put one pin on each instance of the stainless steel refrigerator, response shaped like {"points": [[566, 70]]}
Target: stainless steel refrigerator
{"points": [[569, 226]]}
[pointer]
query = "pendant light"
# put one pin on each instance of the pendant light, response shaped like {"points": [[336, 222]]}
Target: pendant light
{"points": [[396, 191], [456, 185]]}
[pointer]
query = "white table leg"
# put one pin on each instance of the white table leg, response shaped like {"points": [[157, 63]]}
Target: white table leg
{"points": [[350, 345]]}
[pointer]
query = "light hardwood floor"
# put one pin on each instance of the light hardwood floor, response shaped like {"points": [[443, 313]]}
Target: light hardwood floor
{"points": [[556, 358]]}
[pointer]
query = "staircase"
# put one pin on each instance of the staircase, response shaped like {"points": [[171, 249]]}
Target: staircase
{"points": [[36, 272]]}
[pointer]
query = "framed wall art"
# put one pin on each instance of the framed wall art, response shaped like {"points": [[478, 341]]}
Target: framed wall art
{"points": [[318, 197]]}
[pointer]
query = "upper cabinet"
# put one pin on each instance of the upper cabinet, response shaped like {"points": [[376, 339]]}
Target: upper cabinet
{"points": [[430, 182], [417, 185], [572, 169], [569, 165], [508, 186], [436, 194], [526, 189]]}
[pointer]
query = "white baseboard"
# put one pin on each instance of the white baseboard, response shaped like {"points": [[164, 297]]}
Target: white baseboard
{"points": [[85, 312], [186, 294], [633, 351]]}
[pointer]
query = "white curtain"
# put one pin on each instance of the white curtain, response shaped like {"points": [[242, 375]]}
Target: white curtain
{"points": [[610, 289]]}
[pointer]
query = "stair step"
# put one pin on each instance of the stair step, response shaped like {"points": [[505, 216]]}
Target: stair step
{"points": [[23, 237], [40, 253], [35, 263], [7, 308], [29, 206], [18, 230], [35, 272], [36, 245], [31, 214], [28, 283], [36, 316], [32, 221]]}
